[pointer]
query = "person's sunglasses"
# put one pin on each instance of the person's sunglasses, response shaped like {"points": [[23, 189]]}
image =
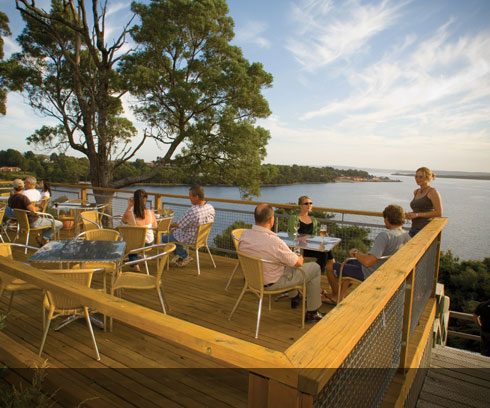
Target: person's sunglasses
{"points": [[308, 203]]}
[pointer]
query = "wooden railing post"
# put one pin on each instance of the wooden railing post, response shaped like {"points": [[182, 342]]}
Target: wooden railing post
{"points": [[268, 393], [158, 202], [407, 318], [83, 193]]}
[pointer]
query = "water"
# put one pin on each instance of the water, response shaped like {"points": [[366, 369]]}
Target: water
{"points": [[465, 203]]}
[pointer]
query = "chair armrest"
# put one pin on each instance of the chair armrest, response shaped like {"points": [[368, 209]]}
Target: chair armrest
{"points": [[281, 264], [148, 248], [149, 258], [24, 246], [45, 215]]}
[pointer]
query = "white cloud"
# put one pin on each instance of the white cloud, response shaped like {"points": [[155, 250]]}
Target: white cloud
{"points": [[253, 33], [113, 8], [438, 91], [326, 33]]}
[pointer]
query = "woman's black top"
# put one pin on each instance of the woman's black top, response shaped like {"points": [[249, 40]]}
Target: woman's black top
{"points": [[305, 228]]}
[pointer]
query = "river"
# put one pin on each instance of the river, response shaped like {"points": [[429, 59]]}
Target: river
{"points": [[465, 203]]}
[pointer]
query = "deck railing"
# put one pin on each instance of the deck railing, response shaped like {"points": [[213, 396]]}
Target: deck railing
{"points": [[347, 359]]}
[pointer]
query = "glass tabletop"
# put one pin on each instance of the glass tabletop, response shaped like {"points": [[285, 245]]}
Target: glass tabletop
{"points": [[311, 242], [80, 251]]}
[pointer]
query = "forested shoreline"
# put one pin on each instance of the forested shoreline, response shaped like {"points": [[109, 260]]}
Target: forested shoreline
{"points": [[62, 168]]}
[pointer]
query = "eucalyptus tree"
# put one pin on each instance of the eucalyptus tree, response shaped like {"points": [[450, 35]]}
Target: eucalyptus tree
{"points": [[4, 31], [196, 91], [69, 70]]}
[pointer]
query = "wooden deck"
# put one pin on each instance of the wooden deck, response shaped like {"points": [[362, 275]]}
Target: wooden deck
{"points": [[139, 369], [457, 378]]}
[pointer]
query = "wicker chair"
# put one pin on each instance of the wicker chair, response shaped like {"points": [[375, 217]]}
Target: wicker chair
{"points": [[57, 304], [201, 242], [100, 235], [140, 281], [8, 282], [135, 236], [254, 282], [345, 282], [24, 226], [163, 227], [235, 235], [92, 220]]}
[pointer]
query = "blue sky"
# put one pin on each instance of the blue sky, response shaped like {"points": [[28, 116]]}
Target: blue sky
{"points": [[384, 84]]}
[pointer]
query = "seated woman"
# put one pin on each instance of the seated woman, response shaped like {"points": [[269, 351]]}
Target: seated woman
{"points": [[137, 214], [308, 225], [45, 187]]}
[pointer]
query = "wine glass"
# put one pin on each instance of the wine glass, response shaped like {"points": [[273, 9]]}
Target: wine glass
{"points": [[323, 231], [296, 228]]}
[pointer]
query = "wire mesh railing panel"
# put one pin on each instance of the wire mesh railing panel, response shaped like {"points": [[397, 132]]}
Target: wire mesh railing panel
{"points": [[364, 376], [423, 283]]}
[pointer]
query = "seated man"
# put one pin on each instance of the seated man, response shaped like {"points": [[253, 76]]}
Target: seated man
{"points": [[30, 190], [22, 202], [386, 243], [262, 243], [185, 229]]}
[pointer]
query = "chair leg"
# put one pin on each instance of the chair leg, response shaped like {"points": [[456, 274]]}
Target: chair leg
{"points": [[146, 265], [89, 324], [197, 260], [12, 293], [258, 317], [162, 300], [232, 275], [44, 336], [27, 242], [237, 302], [211, 256]]}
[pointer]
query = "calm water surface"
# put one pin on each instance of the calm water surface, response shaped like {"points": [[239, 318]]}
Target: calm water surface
{"points": [[465, 203]]}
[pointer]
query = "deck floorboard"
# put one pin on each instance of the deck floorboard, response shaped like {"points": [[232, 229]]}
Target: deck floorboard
{"points": [[140, 369], [457, 378]]}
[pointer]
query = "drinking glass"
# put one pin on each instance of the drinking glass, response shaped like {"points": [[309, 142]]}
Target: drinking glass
{"points": [[296, 228], [323, 231]]}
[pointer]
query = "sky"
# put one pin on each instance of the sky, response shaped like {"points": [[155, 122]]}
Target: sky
{"points": [[363, 84]]}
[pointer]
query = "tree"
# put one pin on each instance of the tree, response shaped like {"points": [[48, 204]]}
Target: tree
{"points": [[69, 74], [196, 91], [4, 30]]}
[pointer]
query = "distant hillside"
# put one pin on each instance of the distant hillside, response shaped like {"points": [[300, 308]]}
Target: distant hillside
{"points": [[452, 174]]}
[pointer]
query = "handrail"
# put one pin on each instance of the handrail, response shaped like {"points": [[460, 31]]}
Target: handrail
{"points": [[466, 317], [222, 200], [326, 345]]}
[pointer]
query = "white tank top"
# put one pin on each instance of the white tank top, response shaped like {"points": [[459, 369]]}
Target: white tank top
{"points": [[149, 231]]}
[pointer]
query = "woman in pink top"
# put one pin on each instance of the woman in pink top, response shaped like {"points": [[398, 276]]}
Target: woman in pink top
{"points": [[137, 214]]}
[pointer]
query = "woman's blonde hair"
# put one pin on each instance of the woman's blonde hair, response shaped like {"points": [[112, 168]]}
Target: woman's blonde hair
{"points": [[303, 198], [427, 172]]}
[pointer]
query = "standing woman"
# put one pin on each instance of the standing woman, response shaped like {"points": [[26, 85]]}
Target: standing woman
{"points": [[308, 225], [426, 203], [137, 214]]}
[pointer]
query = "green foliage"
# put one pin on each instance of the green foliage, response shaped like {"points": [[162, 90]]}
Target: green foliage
{"points": [[25, 397], [4, 31], [280, 174], [352, 236], [30, 396], [225, 240], [467, 283], [198, 91], [67, 71], [57, 167]]}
